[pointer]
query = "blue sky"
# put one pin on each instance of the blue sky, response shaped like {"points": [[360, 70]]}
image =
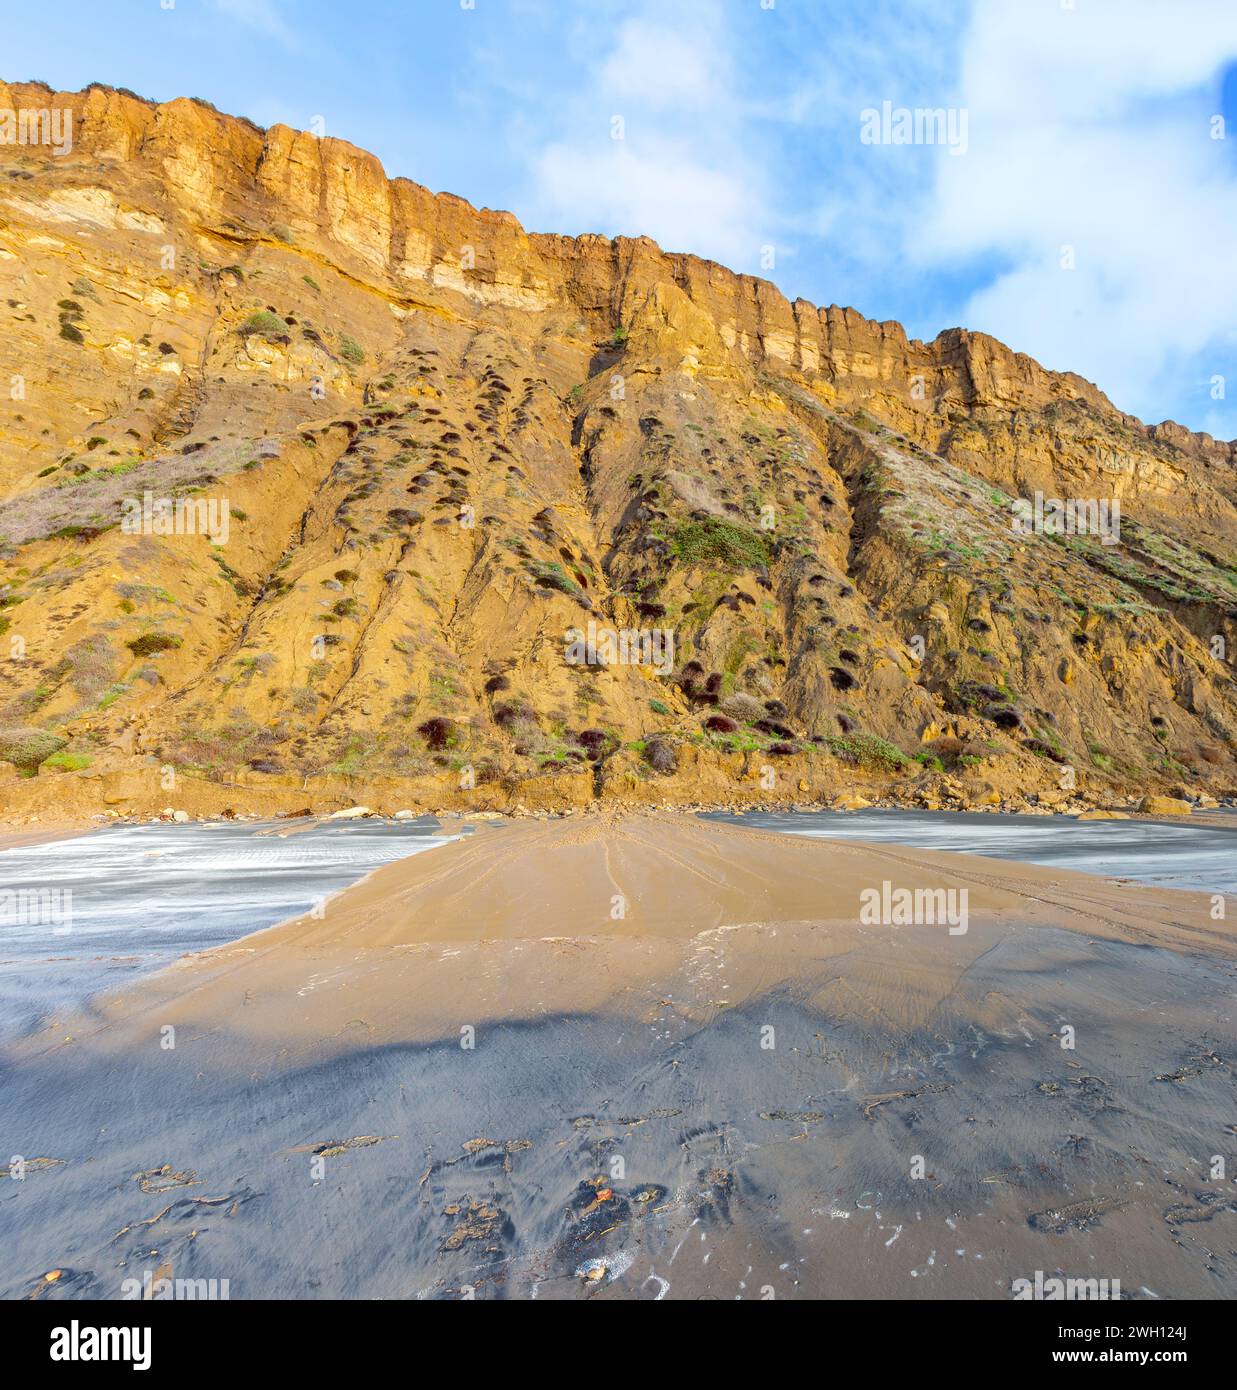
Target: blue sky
{"points": [[1090, 125]]}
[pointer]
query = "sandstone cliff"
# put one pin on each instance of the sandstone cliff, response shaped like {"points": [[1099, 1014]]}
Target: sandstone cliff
{"points": [[440, 444]]}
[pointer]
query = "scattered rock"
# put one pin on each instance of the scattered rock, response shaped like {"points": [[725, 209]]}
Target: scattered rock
{"points": [[988, 796], [1164, 806]]}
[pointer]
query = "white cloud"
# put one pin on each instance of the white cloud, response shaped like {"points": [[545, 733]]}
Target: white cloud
{"points": [[662, 68], [652, 187], [1089, 128], [685, 171]]}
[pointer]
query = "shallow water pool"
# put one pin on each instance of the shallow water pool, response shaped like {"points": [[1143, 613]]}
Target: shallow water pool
{"points": [[1197, 857], [79, 915]]}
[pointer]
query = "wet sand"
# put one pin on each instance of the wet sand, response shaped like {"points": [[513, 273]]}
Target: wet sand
{"points": [[11, 838], [651, 1056]]}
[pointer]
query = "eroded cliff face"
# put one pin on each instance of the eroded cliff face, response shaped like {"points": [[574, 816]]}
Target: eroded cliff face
{"points": [[434, 445]]}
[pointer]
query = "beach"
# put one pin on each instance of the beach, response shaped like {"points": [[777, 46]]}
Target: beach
{"points": [[650, 1056]]}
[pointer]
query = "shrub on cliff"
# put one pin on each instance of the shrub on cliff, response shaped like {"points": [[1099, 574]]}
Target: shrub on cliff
{"points": [[745, 708], [595, 742], [437, 732], [515, 714], [26, 748], [265, 325], [660, 755], [1003, 716], [1041, 749], [68, 762], [867, 751], [721, 542], [151, 642], [350, 350], [719, 724]]}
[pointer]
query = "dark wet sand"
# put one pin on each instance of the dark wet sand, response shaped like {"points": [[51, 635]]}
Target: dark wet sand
{"points": [[725, 1091]]}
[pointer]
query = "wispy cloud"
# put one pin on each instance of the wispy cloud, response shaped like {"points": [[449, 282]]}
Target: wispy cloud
{"points": [[262, 15]]}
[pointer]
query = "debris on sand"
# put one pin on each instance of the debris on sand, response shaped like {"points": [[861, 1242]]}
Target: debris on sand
{"points": [[471, 1148], [1180, 1074], [30, 1165], [165, 1178], [61, 1283], [186, 1206], [871, 1104], [1077, 1216], [474, 1220], [1204, 1206], [331, 1148], [605, 1268], [510, 1146]]}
